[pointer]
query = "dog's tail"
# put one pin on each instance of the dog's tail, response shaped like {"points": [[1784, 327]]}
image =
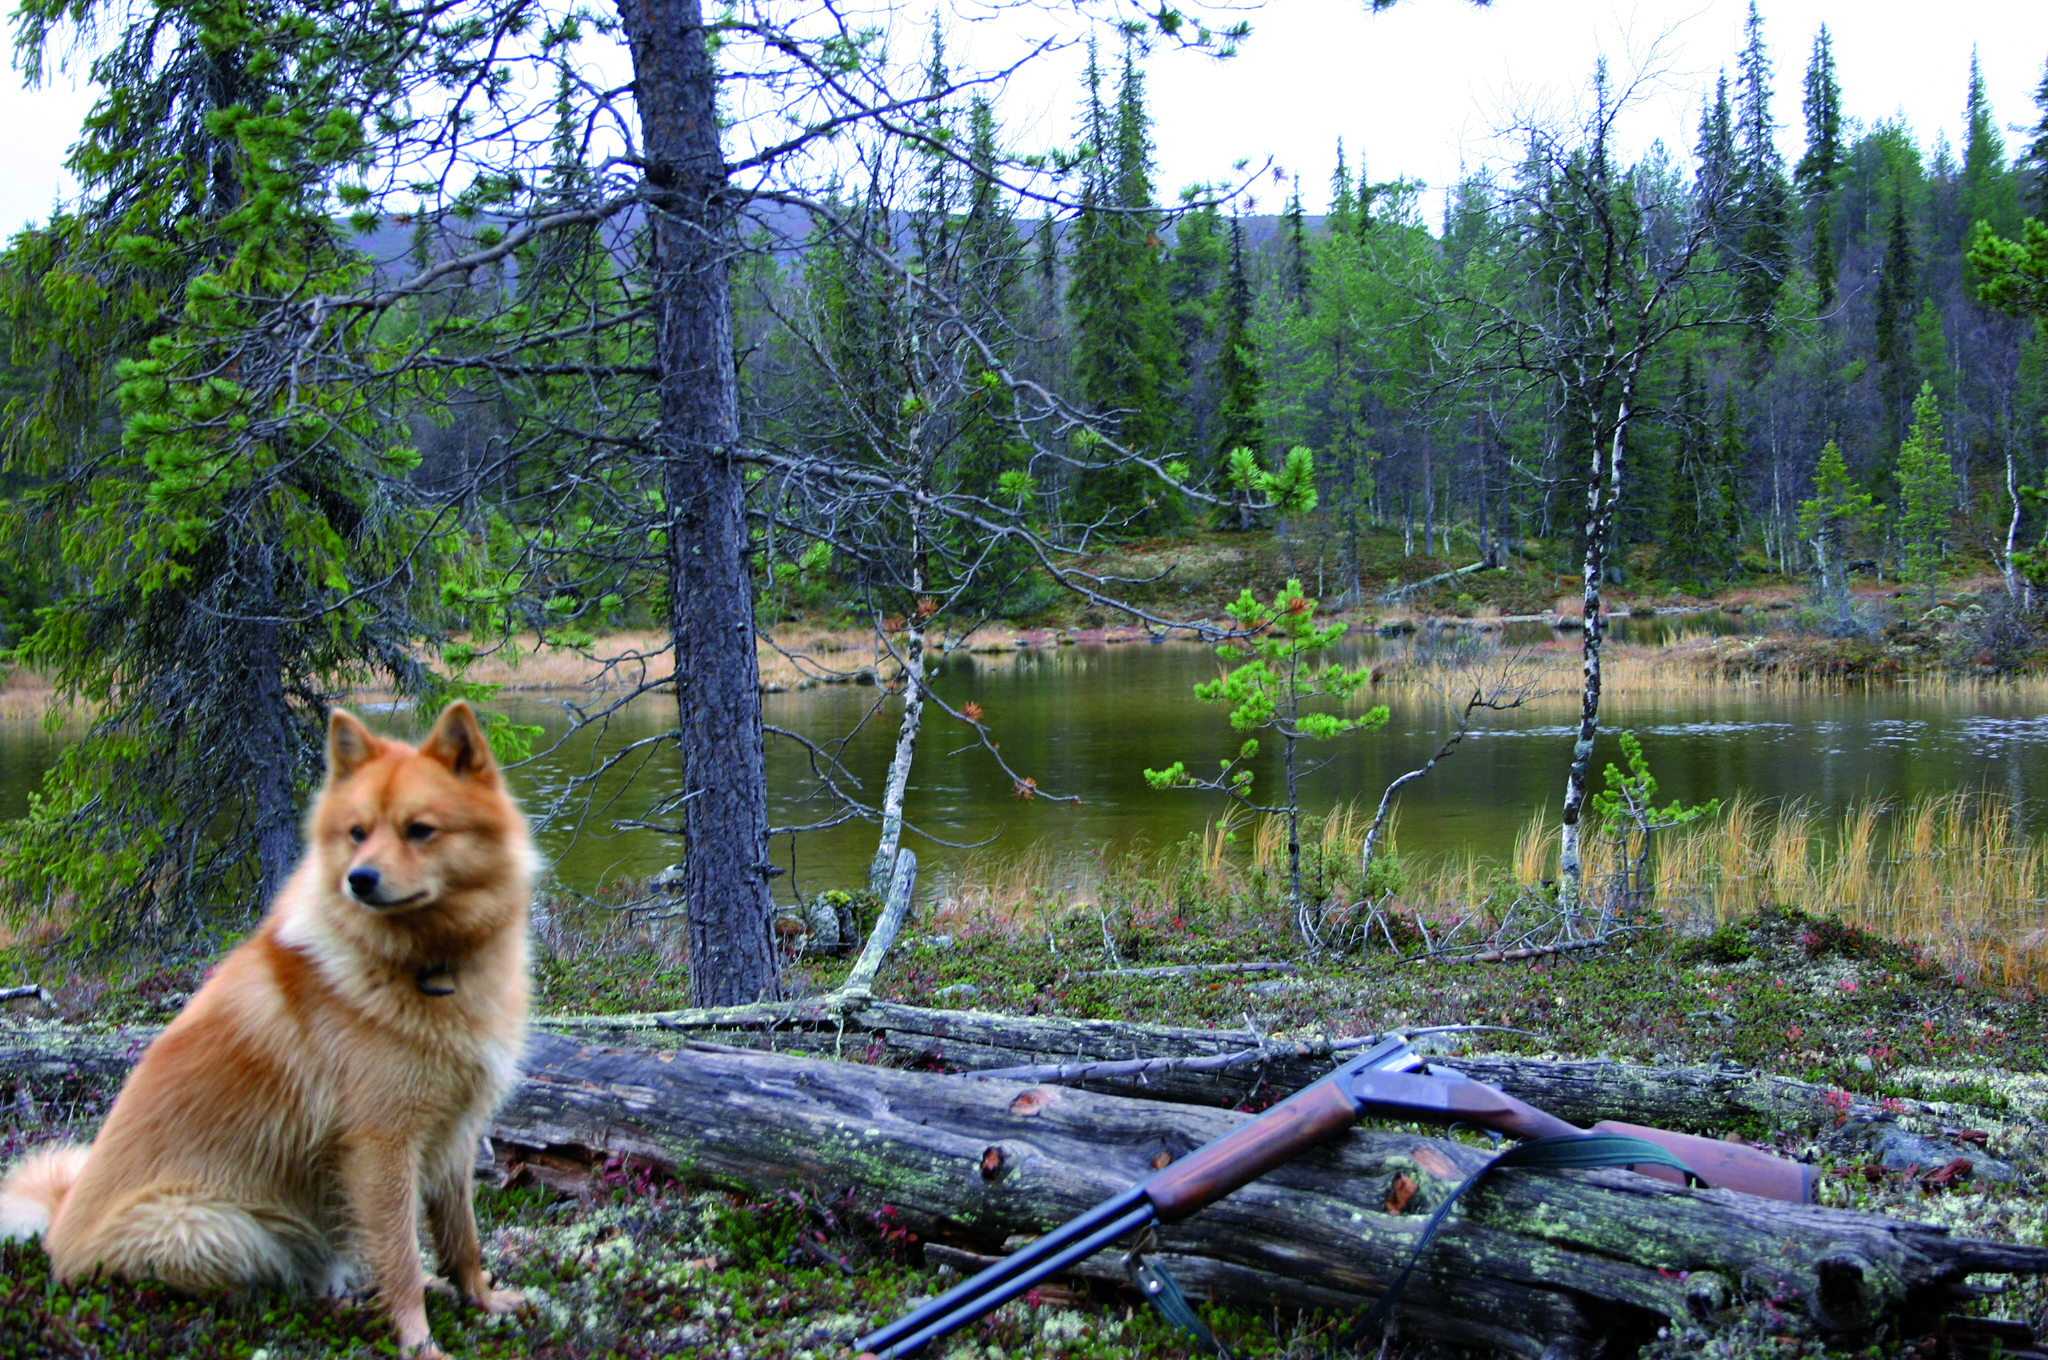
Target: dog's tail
{"points": [[34, 1190]]}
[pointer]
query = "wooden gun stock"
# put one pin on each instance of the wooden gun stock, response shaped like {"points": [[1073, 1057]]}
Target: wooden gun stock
{"points": [[1382, 1082], [1310, 1116], [1725, 1166], [1447, 1097]]}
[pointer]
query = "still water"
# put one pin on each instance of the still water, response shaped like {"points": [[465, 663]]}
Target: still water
{"points": [[1086, 720]]}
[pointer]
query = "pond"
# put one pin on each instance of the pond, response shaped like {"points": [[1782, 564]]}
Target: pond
{"points": [[1086, 720]]}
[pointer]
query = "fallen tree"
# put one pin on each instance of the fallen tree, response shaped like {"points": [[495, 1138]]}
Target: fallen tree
{"points": [[1696, 1097], [1531, 1260]]}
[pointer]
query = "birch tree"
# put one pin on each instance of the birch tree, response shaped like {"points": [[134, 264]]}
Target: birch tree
{"points": [[1605, 268]]}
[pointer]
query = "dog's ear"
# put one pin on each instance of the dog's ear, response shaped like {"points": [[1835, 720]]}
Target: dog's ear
{"points": [[349, 745], [458, 742]]}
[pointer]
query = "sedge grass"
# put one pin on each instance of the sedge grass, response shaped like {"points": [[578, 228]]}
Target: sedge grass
{"points": [[1953, 875]]}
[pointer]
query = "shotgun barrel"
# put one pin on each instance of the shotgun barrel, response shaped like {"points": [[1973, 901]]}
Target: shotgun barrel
{"points": [[1388, 1081]]}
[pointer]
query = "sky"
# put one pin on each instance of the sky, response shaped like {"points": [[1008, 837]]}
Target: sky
{"points": [[1415, 90]]}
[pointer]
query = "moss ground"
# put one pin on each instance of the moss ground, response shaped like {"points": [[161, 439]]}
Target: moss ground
{"points": [[636, 1265]]}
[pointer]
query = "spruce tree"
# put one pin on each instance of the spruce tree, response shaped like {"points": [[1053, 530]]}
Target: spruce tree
{"points": [[1985, 192], [1343, 218], [2036, 154], [1762, 198], [1898, 296], [1126, 362], [1237, 363], [1930, 351], [1715, 154], [1927, 494], [1817, 169], [1836, 516], [1195, 269], [236, 520], [1722, 489], [1294, 261], [989, 291]]}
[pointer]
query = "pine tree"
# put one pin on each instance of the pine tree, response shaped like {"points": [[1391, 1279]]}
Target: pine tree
{"points": [[1927, 494], [1836, 516], [1818, 168]]}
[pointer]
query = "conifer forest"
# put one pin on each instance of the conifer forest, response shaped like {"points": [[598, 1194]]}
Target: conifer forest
{"points": [[780, 436]]}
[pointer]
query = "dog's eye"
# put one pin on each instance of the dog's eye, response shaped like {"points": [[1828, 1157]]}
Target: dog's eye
{"points": [[358, 835], [417, 831]]}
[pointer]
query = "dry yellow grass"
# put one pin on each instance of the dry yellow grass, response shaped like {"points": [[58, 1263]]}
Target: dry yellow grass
{"points": [[1951, 874]]}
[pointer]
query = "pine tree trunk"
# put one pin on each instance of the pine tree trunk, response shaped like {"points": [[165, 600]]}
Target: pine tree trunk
{"points": [[711, 603]]}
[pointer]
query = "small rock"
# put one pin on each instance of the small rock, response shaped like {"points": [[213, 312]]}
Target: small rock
{"points": [[959, 991], [1270, 988], [939, 941]]}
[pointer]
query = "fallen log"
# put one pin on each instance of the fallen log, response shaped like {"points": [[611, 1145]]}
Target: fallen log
{"points": [[1530, 1258], [1698, 1098]]}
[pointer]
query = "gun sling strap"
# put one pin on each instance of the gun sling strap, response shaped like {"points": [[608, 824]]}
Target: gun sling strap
{"points": [[1579, 1151]]}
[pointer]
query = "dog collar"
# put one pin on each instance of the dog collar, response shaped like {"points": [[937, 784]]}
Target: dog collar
{"points": [[435, 979]]}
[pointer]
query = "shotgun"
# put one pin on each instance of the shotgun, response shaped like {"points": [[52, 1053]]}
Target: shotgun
{"points": [[1390, 1080]]}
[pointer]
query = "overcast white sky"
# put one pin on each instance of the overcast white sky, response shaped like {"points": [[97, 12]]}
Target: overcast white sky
{"points": [[1415, 90]]}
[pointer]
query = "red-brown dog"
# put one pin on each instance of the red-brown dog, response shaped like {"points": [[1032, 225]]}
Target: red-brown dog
{"points": [[337, 1068]]}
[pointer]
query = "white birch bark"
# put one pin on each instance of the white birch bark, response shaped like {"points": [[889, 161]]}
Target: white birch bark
{"points": [[898, 783]]}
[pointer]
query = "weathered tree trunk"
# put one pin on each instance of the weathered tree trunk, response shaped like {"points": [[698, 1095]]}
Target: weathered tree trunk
{"points": [[711, 599], [2015, 585], [1602, 496], [1697, 1099], [897, 785], [1530, 1258], [1533, 1258]]}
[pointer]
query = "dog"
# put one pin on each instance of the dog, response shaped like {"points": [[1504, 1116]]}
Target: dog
{"points": [[338, 1067]]}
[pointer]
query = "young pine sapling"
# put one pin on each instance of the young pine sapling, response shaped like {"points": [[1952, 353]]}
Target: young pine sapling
{"points": [[1271, 692], [1627, 813]]}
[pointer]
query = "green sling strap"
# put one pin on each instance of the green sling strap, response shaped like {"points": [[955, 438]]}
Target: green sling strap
{"points": [[1573, 1151]]}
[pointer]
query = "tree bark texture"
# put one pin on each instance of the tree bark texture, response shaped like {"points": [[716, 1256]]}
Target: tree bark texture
{"points": [[271, 742], [1529, 1257], [897, 785], [1603, 492], [1694, 1099], [726, 869]]}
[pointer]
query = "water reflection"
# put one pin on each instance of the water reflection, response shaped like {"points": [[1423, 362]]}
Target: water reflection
{"points": [[1086, 720]]}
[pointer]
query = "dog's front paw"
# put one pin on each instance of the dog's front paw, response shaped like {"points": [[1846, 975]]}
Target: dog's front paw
{"points": [[501, 1300], [422, 1349]]}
